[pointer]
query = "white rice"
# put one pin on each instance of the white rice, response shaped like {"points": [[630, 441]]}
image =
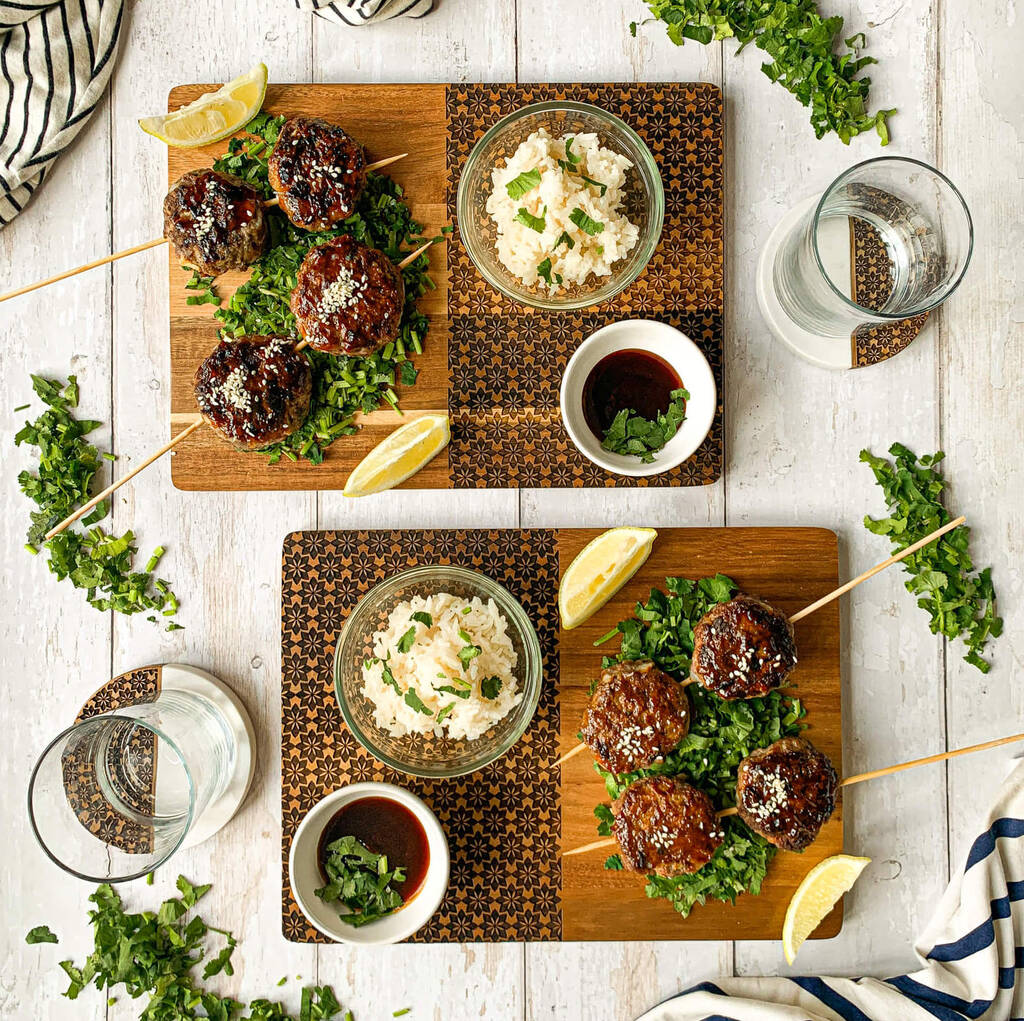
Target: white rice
{"points": [[436, 652], [522, 249]]}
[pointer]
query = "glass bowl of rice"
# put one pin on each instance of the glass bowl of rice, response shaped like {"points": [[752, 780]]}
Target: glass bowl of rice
{"points": [[560, 205], [438, 671]]}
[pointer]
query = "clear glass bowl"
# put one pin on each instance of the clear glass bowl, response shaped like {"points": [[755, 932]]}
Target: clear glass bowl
{"points": [[426, 755], [643, 200]]}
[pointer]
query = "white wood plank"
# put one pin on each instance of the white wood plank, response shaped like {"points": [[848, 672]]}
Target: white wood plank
{"points": [[981, 147], [55, 648], [592, 42], [224, 549], [794, 435]]}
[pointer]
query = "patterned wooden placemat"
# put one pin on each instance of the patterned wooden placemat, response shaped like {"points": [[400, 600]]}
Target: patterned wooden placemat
{"points": [[81, 784], [871, 278], [506, 362], [502, 822]]}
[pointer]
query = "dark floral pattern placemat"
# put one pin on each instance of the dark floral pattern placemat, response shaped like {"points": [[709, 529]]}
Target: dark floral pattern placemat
{"points": [[503, 822], [503, 401]]}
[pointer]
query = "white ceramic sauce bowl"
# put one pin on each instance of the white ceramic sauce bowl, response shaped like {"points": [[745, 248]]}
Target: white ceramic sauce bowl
{"points": [[305, 878], [672, 346]]}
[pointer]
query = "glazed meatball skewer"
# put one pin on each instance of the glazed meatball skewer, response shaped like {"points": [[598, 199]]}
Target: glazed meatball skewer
{"points": [[760, 765], [172, 443], [743, 648], [156, 242]]}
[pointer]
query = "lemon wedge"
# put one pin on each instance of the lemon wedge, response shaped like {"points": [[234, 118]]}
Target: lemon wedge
{"points": [[399, 455], [212, 116], [601, 568], [816, 896]]}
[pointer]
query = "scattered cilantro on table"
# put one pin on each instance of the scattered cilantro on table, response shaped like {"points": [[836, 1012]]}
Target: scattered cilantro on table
{"points": [[156, 952], [631, 433], [721, 734], [361, 880], [802, 50], [92, 559], [960, 600], [342, 386], [40, 934]]}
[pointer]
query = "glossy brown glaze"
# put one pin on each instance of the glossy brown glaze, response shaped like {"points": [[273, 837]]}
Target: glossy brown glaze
{"points": [[317, 171], [348, 298], [254, 390], [787, 792], [666, 826], [637, 715], [743, 649], [215, 222], [383, 826]]}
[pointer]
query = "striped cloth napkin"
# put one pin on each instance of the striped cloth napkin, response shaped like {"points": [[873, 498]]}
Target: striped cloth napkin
{"points": [[364, 12], [971, 953], [55, 61]]}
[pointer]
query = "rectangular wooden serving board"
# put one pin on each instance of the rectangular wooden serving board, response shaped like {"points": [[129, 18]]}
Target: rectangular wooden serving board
{"points": [[506, 426], [508, 824]]}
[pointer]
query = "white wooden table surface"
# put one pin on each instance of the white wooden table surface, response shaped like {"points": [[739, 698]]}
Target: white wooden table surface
{"points": [[793, 433]]}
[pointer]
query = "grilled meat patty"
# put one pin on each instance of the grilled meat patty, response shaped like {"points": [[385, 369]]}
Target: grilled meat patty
{"points": [[215, 221], [666, 826], [787, 792], [637, 715], [743, 649], [254, 390], [348, 298], [317, 171]]}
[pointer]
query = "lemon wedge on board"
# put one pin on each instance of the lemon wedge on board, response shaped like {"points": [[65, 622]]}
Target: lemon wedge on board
{"points": [[600, 569], [816, 896], [212, 116], [399, 455]]}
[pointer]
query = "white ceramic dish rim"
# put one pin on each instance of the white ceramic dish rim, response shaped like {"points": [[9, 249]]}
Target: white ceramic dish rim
{"points": [[304, 874], [676, 348]]}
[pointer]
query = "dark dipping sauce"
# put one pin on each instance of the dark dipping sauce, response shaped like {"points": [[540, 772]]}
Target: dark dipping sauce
{"points": [[384, 827], [629, 380]]}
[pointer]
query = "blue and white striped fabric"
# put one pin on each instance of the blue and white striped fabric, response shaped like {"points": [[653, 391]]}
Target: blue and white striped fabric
{"points": [[971, 953], [55, 61], [365, 12]]}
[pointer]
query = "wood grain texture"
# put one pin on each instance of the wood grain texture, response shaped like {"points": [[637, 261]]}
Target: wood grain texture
{"points": [[789, 567]]}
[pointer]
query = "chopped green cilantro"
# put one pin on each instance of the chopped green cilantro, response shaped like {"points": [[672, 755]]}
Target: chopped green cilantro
{"points": [[537, 223], [586, 223], [525, 182], [632, 434], [361, 881]]}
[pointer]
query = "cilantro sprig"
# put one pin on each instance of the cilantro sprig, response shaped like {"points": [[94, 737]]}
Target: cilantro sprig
{"points": [[92, 559], [721, 734], [361, 880], [960, 601], [342, 386], [631, 433], [802, 51]]}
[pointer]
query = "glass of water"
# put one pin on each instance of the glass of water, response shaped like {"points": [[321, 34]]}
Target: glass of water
{"points": [[114, 796], [889, 239]]}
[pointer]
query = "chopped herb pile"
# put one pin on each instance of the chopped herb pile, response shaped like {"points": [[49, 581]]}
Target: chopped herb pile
{"points": [[631, 433], [720, 735], [92, 559], [342, 386], [361, 880], [960, 601], [802, 51], [155, 953]]}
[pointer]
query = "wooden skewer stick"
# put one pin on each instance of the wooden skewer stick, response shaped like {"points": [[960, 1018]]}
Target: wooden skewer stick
{"points": [[824, 600], [135, 249], [850, 780], [171, 444]]}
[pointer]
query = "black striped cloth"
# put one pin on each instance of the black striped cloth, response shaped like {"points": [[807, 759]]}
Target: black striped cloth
{"points": [[971, 954], [364, 12], [55, 62]]}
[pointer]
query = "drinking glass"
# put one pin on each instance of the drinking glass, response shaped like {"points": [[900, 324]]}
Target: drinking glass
{"points": [[906, 226], [114, 796]]}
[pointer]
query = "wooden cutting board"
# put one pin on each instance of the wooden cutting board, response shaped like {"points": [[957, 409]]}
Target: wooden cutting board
{"points": [[494, 366], [508, 824]]}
